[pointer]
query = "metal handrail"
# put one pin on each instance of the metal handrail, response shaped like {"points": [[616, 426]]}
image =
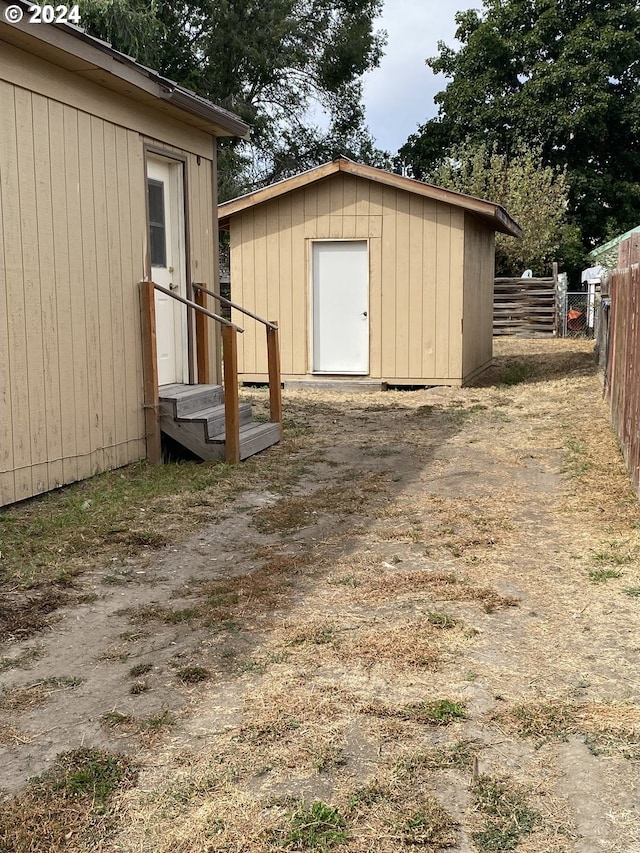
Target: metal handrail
{"points": [[197, 307], [225, 301]]}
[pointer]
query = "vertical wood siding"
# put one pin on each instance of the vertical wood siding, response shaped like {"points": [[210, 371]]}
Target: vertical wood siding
{"points": [[72, 250], [416, 255], [479, 267]]}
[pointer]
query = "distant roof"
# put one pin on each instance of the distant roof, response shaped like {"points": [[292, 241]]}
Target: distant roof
{"points": [[86, 56], [606, 247], [492, 214]]}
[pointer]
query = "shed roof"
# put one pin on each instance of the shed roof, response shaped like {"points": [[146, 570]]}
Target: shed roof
{"points": [[490, 213], [72, 48], [613, 244]]}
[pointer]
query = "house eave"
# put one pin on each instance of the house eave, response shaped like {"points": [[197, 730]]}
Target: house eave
{"points": [[91, 58]]}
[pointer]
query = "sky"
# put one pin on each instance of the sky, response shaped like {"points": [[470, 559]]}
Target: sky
{"points": [[398, 96]]}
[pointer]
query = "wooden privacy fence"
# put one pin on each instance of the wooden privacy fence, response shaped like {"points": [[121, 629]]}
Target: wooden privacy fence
{"points": [[622, 380], [524, 306]]}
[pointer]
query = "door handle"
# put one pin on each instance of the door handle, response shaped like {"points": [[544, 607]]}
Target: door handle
{"points": [[364, 314], [173, 286]]}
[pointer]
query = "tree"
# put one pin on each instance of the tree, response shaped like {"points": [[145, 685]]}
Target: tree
{"points": [[561, 75], [535, 196], [273, 63]]}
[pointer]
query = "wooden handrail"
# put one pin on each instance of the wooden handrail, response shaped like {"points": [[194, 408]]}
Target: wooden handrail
{"points": [[196, 307], [270, 324], [230, 357]]}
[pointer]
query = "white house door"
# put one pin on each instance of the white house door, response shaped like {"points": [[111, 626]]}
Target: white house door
{"points": [[340, 307], [167, 253]]}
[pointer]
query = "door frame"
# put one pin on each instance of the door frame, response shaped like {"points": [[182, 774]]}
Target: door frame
{"points": [[310, 241], [179, 163]]}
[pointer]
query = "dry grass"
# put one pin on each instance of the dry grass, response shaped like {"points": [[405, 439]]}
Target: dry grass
{"points": [[608, 727], [10, 736], [339, 701], [22, 697], [380, 584]]}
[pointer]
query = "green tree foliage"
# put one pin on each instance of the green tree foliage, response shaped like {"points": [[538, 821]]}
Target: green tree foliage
{"points": [[563, 75], [272, 63], [536, 196]]}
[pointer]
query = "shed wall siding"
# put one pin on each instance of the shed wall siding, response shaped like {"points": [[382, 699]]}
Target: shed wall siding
{"points": [[74, 241], [479, 266], [416, 250]]}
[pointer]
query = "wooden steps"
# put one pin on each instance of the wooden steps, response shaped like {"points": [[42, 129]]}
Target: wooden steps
{"points": [[194, 416]]}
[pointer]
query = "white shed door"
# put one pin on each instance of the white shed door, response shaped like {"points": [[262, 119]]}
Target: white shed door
{"points": [[166, 249], [340, 283]]}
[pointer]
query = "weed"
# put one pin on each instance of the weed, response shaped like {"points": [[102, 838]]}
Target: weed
{"points": [[139, 687], [314, 827], [114, 719], [329, 758], [505, 813], [23, 660], [368, 795], [71, 801], [140, 669], [344, 580], [177, 617], [438, 712], [458, 415], [602, 575], [544, 720], [632, 591], [458, 756], [424, 411], [156, 722], [517, 372], [257, 666], [441, 620], [193, 674], [429, 825]]}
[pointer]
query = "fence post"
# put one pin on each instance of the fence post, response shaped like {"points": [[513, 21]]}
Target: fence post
{"points": [[202, 344], [231, 400], [150, 372], [273, 360]]}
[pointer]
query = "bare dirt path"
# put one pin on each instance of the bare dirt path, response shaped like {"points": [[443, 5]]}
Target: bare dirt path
{"points": [[418, 626]]}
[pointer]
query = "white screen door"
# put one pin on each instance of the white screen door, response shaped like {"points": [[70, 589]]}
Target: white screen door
{"points": [[166, 248], [340, 306]]}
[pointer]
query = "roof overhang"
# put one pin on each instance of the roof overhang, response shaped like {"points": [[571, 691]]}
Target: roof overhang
{"points": [[71, 48], [493, 215]]}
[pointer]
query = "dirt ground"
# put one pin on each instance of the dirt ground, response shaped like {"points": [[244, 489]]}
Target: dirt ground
{"points": [[418, 626]]}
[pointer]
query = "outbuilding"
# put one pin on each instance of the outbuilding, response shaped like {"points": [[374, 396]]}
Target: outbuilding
{"points": [[371, 276], [107, 179]]}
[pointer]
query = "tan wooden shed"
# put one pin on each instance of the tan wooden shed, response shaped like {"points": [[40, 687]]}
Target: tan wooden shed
{"points": [[106, 170], [370, 275]]}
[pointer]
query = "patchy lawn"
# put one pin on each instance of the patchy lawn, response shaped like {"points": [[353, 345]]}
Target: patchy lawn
{"points": [[415, 623]]}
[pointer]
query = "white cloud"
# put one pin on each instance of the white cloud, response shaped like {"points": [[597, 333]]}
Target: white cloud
{"points": [[398, 96]]}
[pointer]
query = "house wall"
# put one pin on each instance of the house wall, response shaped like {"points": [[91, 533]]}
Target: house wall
{"points": [[416, 253], [479, 272], [73, 239]]}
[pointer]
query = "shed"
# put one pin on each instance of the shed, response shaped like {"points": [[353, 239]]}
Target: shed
{"points": [[107, 177], [370, 275]]}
